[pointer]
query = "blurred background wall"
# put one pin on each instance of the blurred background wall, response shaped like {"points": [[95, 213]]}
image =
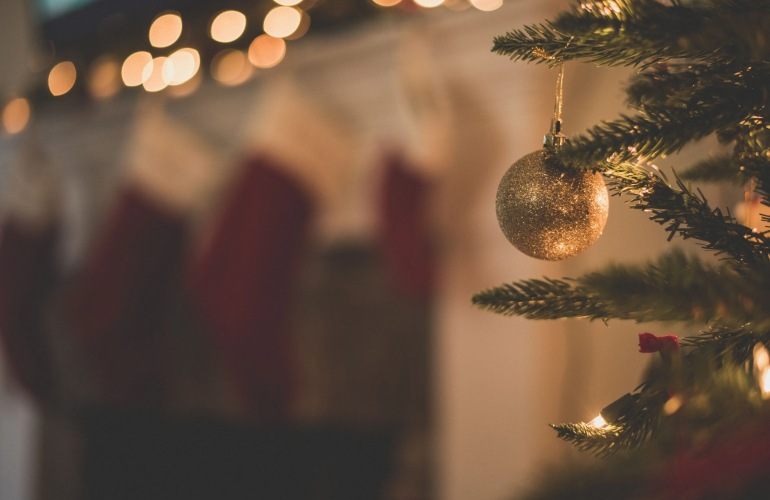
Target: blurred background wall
{"points": [[495, 382]]}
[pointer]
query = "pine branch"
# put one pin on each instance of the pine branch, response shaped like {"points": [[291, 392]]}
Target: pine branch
{"points": [[541, 299], [644, 32], [629, 432], [663, 129], [732, 344], [688, 85], [720, 168], [687, 214], [676, 287]]}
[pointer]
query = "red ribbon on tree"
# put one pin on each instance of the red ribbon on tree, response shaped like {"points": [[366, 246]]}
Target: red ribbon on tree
{"points": [[650, 343]]}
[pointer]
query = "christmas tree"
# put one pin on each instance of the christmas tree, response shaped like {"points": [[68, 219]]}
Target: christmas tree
{"points": [[696, 426]]}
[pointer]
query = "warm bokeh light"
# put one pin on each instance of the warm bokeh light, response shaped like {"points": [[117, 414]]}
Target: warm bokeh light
{"points": [[764, 383], [228, 26], [16, 115], [165, 30], [104, 77], [386, 3], [673, 405], [62, 78], [132, 71], [181, 66], [186, 88], [289, 3], [487, 5], [281, 22], [231, 67], [304, 26], [429, 3], [761, 357], [154, 79], [266, 51], [598, 422]]}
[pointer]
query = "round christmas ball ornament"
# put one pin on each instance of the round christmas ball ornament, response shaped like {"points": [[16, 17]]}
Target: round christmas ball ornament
{"points": [[548, 210]]}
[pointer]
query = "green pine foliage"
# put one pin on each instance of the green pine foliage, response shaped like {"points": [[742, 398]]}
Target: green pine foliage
{"points": [[702, 69]]}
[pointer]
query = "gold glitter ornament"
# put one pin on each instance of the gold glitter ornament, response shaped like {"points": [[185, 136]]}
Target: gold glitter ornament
{"points": [[549, 211]]}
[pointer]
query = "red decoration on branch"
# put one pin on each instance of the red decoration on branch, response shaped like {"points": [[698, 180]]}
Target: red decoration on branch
{"points": [[650, 343]]}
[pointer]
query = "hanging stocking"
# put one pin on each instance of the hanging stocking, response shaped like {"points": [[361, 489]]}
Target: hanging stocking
{"points": [[118, 304], [243, 280], [411, 173], [27, 269], [405, 228]]}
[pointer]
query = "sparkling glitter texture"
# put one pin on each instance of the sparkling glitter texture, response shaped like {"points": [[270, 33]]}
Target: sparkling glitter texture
{"points": [[548, 211]]}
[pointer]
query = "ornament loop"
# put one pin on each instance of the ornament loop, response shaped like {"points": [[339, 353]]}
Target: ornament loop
{"points": [[554, 139]]}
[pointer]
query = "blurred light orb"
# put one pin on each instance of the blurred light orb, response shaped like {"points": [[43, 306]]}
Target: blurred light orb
{"points": [[181, 66], [290, 3], [186, 88], [165, 30], [16, 115], [132, 71], [304, 26], [154, 78], [487, 5], [267, 51], [227, 26], [281, 22], [104, 77], [62, 78], [231, 67], [428, 4], [386, 3]]}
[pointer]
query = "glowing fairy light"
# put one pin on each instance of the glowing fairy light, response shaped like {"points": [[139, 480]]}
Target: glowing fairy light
{"points": [[598, 422], [228, 26], [165, 30], [62, 78]]}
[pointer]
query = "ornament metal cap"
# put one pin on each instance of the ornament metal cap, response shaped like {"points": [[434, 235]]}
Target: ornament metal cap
{"points": [[554, 139]]}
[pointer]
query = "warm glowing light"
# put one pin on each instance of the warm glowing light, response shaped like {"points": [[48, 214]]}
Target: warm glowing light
{"points": [[165, 30], [132, 71], [304, 26], [231, 67], [104, 77], [764, 383], [181, 66], [228, 26], [673, 405], [429, 4], [154, 79], [266, 51], [282, 21], [487, 5], [761, 357], [598, 422], [16, 115], [186, 88], [386, 3], [62, 78], [291, 3]]}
